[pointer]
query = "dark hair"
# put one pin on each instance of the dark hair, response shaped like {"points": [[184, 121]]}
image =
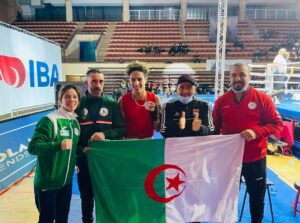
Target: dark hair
{"points": [[241, 65], [93, 70], [63, 90], [137, 66]]}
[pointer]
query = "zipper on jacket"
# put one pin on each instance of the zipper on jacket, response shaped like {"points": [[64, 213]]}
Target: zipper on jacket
{"points": [[69, 160]]}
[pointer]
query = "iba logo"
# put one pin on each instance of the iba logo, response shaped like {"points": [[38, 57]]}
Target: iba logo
{"points": [[12, 71]]}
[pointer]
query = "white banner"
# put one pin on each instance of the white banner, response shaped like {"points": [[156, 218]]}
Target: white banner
{"points": [[29, 67]]}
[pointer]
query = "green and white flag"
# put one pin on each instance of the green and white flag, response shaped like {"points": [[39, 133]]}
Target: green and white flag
{"points": [[175, 180]]}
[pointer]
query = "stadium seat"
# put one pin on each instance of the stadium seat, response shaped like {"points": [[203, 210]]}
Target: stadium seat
{"points": [[287, 135]]}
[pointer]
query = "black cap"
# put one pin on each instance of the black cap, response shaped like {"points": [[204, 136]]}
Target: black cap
{"points": [[186, 78]]}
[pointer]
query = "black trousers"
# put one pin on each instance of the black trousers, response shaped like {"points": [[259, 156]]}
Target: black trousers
{"points": [[86, 190], [255, 177], [53, 204]]}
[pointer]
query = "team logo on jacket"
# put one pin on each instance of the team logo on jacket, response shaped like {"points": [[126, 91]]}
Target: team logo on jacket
{"points": [[64, 132], [84, 113], [76, 131], [177, 114], [252, 105], [103, 112]]}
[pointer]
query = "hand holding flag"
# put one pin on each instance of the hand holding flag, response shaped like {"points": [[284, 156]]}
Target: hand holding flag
{"points": [[248, 135], [98, 136]]}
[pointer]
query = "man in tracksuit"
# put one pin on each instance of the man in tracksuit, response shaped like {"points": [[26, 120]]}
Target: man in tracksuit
{"points": [[253, 115], [99, 118], [186, 116]]}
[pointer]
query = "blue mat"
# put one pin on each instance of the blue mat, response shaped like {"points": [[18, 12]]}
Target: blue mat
{"points": [[289, 109]]}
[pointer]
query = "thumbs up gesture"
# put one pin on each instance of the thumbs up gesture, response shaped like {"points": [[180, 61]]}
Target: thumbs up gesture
{"points": [[196, 124], [182, 121]]}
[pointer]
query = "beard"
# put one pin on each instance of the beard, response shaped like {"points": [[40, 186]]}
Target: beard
{"points": [[96, 92]]}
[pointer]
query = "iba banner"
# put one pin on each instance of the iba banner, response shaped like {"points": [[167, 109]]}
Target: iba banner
{"points": [[29, 67], [188, 179]]}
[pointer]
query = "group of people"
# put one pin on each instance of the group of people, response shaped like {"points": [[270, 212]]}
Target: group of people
{"points": [[61, 138], [154, 49], [122, 89], [182, 48]]}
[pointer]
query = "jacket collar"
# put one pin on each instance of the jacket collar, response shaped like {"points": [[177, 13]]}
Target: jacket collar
{"points": [[67, 114]]}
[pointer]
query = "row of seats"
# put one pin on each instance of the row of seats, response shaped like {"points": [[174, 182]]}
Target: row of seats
{"points": [[146, 38], [162, 33], [61, 31], [45, 23], [43, 26], [198, 49], [125, 41], [149, 34], [147, 29], [97, 23]]}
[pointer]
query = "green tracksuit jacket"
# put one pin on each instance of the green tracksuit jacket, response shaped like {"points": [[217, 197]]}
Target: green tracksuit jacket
{"points": [[54, 167], [99, 115]]}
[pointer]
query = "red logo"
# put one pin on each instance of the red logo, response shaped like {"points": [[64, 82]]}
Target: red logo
{"points": [[12, 71], [173, 183]]}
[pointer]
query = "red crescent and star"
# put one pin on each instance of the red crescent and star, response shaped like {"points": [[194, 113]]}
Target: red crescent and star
{"points": [[173, 183]]}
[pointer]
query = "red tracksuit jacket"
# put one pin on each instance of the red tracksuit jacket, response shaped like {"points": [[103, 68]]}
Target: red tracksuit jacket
{"points": [[256, 111]]}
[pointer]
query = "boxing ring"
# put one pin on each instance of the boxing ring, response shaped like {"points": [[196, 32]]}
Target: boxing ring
{"points": [[263, 78], [287, 98]]}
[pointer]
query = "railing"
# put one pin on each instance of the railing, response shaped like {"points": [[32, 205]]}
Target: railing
{"points": [[26, 111], [272, 14], [168, 14]]}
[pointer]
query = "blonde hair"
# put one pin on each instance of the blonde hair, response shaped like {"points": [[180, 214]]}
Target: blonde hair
{"points": [[283, 52]]}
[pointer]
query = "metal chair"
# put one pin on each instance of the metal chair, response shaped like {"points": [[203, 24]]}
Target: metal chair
{"points": [[297, 201], [268, 184]]}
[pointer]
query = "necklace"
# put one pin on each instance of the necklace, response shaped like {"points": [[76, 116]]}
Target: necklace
{"points": [[143, 101]]}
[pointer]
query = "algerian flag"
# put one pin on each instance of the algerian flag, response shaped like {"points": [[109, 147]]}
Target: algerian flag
{"points": [[174, 180]]}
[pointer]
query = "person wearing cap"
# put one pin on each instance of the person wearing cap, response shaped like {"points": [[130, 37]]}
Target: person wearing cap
{"points": [[252, 114], [139, 108], [186, 115]]}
